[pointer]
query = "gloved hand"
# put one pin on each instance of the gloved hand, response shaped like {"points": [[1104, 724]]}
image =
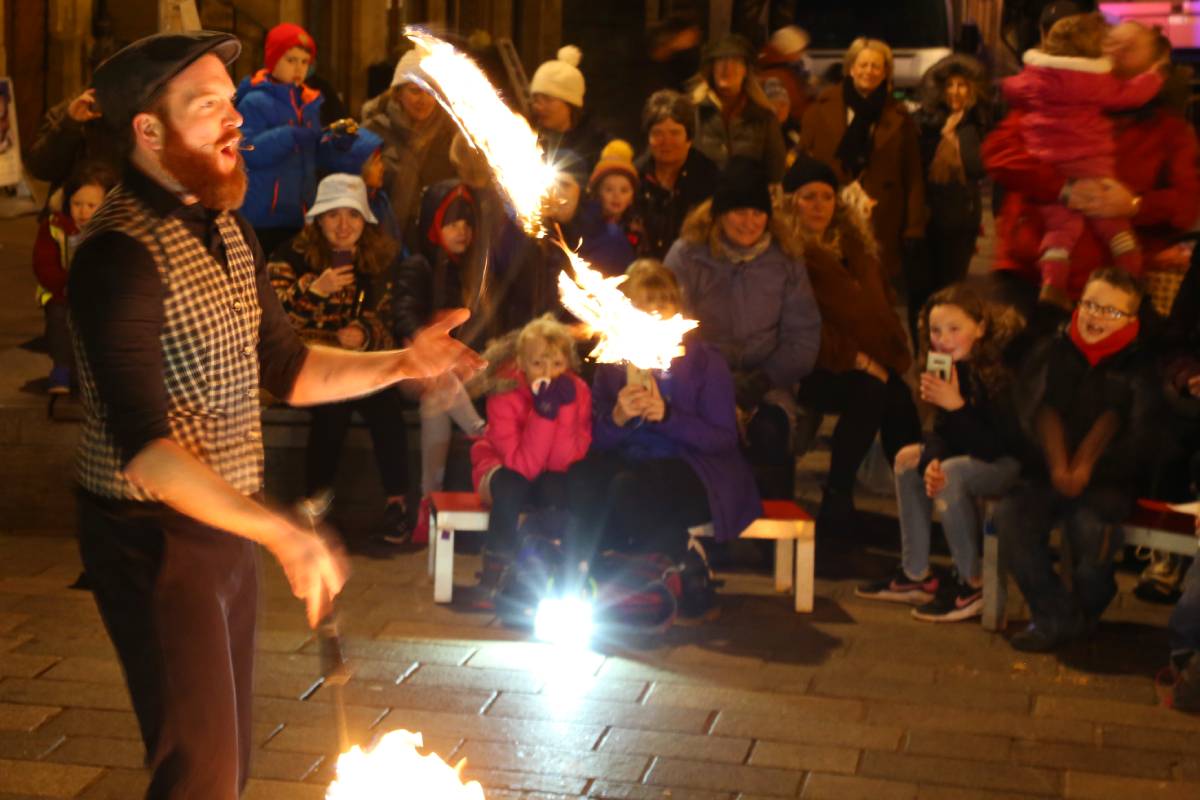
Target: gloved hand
{"points": [[305, 136], [559, 392]]}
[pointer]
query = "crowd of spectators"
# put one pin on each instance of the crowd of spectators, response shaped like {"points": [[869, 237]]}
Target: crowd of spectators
{"points": [[821, 234]]}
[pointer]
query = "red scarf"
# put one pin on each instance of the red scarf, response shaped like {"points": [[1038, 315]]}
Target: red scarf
{"points": [[1115, 342]]}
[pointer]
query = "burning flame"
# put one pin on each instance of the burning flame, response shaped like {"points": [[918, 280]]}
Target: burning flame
{"points": [[501, 135], [393, 769], [626, 333]]}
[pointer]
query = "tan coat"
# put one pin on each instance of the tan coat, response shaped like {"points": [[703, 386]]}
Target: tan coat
{"points": [[893, 175]]}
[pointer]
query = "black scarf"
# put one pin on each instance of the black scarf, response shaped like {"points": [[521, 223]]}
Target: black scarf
{"points": [[855, 148]]}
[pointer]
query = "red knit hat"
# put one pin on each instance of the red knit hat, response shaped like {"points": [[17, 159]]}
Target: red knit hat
{"points": [[284, 37]]}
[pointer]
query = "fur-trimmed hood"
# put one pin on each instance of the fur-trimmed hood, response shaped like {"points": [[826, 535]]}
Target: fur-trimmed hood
{"points": [[1040, 58], [933, 83], [701, 228]]}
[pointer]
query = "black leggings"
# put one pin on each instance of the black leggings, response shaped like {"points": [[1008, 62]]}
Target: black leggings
{"points": [[633, 506], [769, 451], [513, 493], [948, 256], [866, 406], [384, 415]]}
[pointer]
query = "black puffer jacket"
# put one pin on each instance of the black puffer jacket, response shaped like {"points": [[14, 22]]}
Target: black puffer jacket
{"points": [[1058, 376], [954, 206]]}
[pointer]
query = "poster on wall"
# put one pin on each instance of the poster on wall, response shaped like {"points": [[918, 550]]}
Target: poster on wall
{"points": [[10, 146]]}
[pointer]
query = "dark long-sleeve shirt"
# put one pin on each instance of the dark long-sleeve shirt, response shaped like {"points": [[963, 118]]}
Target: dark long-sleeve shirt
{"points": [[116, 298]]}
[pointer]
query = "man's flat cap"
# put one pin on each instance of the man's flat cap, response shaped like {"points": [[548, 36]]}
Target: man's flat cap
{"points": [[130, 80]]}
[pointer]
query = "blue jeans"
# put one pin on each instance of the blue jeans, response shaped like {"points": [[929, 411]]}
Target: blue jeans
{"points": [[967, 480], [1091, 529], [1184, 627]]}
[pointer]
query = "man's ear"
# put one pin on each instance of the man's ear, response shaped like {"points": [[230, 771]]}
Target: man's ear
{"points": [[149, 131]]}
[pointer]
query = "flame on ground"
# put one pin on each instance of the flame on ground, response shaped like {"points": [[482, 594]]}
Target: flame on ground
{"points": [[394, 769], [500, 134], [626, 332]]}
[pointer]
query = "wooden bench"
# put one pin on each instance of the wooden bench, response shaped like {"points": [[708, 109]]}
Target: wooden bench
{"points": [[1151, 525], [785, 523]]}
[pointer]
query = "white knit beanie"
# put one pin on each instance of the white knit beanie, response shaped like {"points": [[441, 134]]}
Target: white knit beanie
{"points": [[790, 39], [561, 77], [408, 64]]}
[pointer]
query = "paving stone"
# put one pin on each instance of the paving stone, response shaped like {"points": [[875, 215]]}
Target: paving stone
{"points": [[22, 717], [851, 685], [64, 693], [282, 766], [807, 757], [1112, 712], [45, 780], [609, 790], [958, 772], [284, 686], [9, 643], [721, 749], [813, 708], [273, 641], [118, 784], [626, 715], [87, 670], [280, 790], [614, 690], [97, 752], [492, 680], [25, 746], [1093, 786], [377, 671], [23, 665], [93, 722], [1148, 739], [930, 792], [566, 735], [1134, 763], [818, 786], [84, 642], [572, 763], [275, 710], [378, 695], [724, 777], [422, 652], [1018, 726], [535, 657], [10, 620], [788, 726], [973, 746], [1065, 682], [527, 781]]}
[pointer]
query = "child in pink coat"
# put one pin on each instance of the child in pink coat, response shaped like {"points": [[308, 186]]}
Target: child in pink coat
{"points": [[539, 423], [1065, 93]]}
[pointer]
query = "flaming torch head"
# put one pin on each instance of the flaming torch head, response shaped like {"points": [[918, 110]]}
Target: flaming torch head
{"points": [[501, 135], [394, 768]]}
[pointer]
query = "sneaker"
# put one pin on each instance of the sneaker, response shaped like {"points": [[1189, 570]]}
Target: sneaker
{"points": [[956, 600], [697, 584], [1044, 638], [1159, 581], [395, 527], [900, 589], [60, 380]]}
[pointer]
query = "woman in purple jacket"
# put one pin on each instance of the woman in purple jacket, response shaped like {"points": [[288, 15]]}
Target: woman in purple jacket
{"points": [[665, 455]]}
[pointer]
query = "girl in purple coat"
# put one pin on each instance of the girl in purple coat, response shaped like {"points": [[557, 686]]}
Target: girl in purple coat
{"points": [[665, 456]]}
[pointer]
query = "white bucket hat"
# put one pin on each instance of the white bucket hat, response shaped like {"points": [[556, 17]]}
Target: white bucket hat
{"points": [[342, 191]]}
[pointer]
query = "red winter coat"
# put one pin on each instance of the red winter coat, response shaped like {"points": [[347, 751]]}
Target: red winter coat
{"points": [[1064, 100], [1156, 160], [529, 444], [51, 259]]}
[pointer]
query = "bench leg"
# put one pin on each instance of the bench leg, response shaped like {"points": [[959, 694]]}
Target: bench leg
{"points": [[431, 546], [995, 585], [805, 566], [783, 564], [443, 576]]}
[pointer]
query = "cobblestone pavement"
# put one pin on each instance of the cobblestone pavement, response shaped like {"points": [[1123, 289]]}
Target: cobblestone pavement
{"points": [[854, 701]]}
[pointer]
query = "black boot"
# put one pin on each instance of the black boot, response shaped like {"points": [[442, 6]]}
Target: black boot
{"points": [[836, 518]]}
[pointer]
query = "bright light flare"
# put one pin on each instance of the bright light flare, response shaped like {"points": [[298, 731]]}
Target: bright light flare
{"points": [[626, 332], [564, 621], [394, 769], [501, 135]]}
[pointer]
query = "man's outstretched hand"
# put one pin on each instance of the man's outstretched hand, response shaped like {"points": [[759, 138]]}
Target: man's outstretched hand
{"points": [[434, 351]]}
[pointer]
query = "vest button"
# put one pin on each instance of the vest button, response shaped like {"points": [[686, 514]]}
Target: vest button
{"points": [[237, 305], [247, 350], [252, 393]]}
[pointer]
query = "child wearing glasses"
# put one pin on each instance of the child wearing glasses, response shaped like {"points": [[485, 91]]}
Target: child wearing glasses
{"points": [[1088, 402]]}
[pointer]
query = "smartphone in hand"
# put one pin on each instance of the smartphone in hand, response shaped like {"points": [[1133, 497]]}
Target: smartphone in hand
{"points": [[940, 364]]}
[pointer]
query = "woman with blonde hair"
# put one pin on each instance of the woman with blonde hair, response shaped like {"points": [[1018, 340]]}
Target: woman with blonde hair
{"points": [[733, 115], [866, 136]]}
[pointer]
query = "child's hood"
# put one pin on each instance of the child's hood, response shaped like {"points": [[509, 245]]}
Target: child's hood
{"points": [[1043, 60], [261, 82]]}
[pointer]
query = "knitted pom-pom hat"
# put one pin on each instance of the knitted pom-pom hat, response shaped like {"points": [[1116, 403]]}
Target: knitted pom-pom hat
{"points": [[615, 158], [561, 77]]}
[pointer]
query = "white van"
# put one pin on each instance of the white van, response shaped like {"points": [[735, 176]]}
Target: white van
{"points": [[920, 32]]}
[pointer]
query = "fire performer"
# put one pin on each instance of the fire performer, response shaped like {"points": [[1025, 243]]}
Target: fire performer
{"points": [[176, 327]]}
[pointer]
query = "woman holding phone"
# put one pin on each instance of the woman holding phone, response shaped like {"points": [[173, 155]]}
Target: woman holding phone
{"points": [[864, 350], [333, 279]]}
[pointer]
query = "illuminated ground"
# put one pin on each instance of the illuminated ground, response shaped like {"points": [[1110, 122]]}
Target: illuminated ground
{"points": [[854, 701]]}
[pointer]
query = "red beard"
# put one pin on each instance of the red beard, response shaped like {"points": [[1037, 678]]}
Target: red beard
{"points": [[198, 171]]}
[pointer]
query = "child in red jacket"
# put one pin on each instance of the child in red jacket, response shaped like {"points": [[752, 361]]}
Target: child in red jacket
{"points": [[57, 237], [1065, 92], [539, 423]]}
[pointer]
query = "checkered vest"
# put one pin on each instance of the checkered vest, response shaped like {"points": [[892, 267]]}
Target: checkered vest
{"points": [[210, 349]]}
